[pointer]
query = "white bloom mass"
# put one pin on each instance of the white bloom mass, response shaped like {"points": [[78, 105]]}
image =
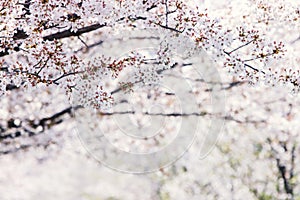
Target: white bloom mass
{"points": [[60, 57]]}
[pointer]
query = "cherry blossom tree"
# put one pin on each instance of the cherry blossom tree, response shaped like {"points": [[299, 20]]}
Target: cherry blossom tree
{"points": [[58, 58]]}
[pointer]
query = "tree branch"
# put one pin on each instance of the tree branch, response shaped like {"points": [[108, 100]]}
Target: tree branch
{"points": [[53, 119], [69, 33]]}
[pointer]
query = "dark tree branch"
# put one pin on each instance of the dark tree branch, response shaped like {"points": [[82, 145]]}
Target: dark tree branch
{"points": [[69, 33], [56, 36], [254, 69], [169, 28], [293, 157], [44, 122], [197, 114], [245, 64], [282, 169], [65, 75], [239, 47]]}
